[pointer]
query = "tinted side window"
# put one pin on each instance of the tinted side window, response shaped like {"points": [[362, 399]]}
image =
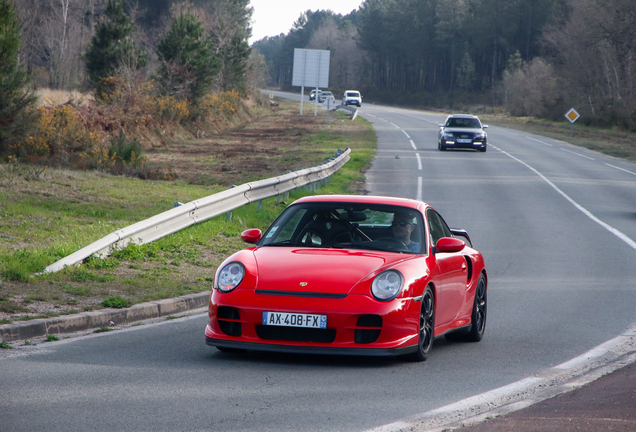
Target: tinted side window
{"points": [[437, 226]]}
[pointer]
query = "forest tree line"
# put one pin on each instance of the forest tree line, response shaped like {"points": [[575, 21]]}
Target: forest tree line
{"points": [[57, 34], [535, 57], [147, 63]]}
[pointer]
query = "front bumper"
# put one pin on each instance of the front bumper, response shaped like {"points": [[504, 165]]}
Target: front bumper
{"points": [[474, 144], [356, 325]]}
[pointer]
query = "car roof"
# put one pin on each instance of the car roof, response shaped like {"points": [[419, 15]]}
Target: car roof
{"points": [[462, 116], [364, 199]]}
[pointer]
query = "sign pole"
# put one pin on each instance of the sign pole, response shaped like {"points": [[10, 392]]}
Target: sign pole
{"points": [[572, 116], [302, 96]]}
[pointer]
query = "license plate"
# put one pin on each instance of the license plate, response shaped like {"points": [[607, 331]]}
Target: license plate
{"points": [[464, 141], [286, 319]]}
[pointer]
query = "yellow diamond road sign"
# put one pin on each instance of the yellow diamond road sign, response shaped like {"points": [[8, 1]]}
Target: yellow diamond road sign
{"points": [[572, 115]]}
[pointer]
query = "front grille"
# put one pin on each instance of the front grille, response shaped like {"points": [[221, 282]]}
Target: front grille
{"points": [[365, 336], [300, 294], [228, 318], [296, 334]]}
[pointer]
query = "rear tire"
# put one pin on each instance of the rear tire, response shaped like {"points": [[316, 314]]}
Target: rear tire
{"points": [[477, 328], [480, 308]]}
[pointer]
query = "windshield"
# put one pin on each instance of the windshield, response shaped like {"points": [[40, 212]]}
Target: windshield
{"points": [[463, 123], [353, 94], [348, 226]]}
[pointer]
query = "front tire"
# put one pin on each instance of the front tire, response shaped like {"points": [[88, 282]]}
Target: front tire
{"points": [[426, 326]]}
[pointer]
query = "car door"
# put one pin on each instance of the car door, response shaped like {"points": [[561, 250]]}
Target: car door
{"points": [[451, 273]]}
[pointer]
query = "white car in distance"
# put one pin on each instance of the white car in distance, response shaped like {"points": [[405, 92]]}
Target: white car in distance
{"points": [[352, 97]]}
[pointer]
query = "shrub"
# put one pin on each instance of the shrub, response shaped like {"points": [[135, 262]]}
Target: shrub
{"points": [[225, 103], [60, 132], [168, 108], [126, 152]]}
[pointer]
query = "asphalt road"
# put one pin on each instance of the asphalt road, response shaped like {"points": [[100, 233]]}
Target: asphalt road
{"points": [[555, 223]]}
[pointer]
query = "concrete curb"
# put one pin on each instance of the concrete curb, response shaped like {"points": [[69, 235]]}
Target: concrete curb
{"points": [[89, 320]]}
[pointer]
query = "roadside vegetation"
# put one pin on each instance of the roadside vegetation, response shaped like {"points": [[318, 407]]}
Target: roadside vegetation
{"points": [[49, 213]]}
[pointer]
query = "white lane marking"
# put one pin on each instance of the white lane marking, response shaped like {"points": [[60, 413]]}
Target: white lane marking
{"points": [[578, 154], [413, 145], [515, 387], [622, 169], [603, 359], [396, 126], [631, 243], [418, 196], [407, 135], [419, 161], [380, 118], [544, 143], [370, 115]]}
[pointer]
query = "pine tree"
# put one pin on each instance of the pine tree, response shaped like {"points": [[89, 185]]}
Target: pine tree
{"points": [[230, 34], [15, 96], [112, 45], [188, 63]]}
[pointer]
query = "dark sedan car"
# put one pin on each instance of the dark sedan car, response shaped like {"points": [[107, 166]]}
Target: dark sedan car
{"points": [[462, 131]]}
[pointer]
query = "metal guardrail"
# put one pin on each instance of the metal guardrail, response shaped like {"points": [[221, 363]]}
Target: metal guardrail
{"points": [[202, 209], [352, 111]]}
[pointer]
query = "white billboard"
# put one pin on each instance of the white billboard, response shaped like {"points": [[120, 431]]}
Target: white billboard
{"points": [[311, 68]]}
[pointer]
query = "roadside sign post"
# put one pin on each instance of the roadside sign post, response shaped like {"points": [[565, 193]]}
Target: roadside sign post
{"points": [[572, 116], [311, 69]]}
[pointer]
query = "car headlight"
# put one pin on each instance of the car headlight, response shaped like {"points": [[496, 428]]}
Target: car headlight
{"points": [[448, 135], [387, 285], [230, 276]]}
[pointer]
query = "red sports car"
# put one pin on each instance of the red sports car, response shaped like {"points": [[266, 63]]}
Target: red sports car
{"points": [[356, 275]]}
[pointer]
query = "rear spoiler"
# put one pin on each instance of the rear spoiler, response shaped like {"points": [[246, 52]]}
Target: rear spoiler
{"points": [[462, 233]]}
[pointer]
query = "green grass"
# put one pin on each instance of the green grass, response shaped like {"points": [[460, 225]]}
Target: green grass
{"points": [[47, 215]]}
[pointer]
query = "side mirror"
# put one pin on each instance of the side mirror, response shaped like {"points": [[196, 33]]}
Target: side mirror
{"points": [[449, 245], [251, 235], [484, 127]]}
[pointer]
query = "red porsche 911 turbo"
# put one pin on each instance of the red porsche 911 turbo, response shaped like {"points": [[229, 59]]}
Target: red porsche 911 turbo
{"points": [[354, 275]]}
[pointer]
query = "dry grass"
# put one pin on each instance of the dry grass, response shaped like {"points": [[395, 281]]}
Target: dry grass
{"points": [[51, 97]]}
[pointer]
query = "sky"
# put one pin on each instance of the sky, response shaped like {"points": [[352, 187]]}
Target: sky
{"points": [[273, 17]]}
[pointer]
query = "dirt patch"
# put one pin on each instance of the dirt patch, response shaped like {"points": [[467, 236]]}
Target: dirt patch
{"points": [[262, 148]]}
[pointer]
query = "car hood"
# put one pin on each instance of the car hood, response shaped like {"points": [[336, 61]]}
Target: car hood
{"points": [[463, 130], [315, 270]]}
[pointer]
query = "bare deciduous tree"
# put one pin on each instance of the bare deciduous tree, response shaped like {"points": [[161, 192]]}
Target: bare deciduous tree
{"points": [[596, 54]]}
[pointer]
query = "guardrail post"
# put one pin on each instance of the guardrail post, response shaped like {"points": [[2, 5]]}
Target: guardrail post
{"points": [[259, 205]]}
